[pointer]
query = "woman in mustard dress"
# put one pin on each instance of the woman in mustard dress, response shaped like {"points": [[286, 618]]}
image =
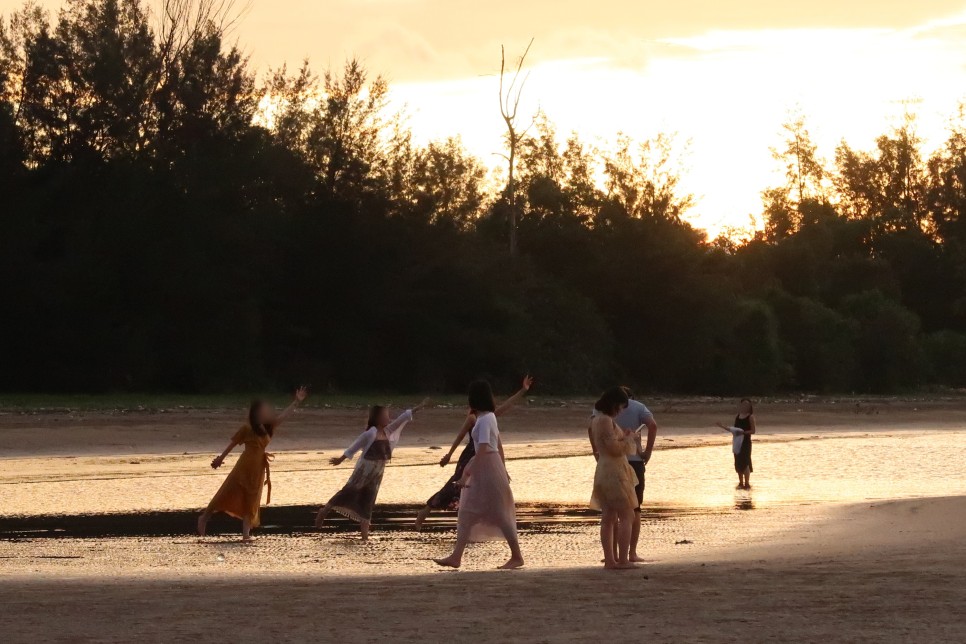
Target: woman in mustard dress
{"points": [[614, 480], [240, 495]]}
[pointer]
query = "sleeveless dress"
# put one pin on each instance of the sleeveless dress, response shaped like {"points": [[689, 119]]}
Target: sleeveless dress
{"points": [[743, 457], [240, 495], [357, 497], [614, 479], [487, 511]]}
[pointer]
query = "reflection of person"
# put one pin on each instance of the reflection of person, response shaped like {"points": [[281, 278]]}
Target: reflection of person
{"points": [[486, 509], [240, 495], [449, 495], [614, 479], [743, 428], [357, 497], [636, 416]]}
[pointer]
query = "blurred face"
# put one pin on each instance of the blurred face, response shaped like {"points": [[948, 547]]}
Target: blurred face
{"points": [[265, 413], [384, 418], [744, 407]]}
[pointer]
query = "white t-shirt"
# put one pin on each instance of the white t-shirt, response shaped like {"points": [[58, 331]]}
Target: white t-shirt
{"points": [[738, 436], [486, 431]]}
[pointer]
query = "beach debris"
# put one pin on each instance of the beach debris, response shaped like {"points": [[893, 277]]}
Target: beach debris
{"points": [[220, 558], [435, 447], [683, 542]]}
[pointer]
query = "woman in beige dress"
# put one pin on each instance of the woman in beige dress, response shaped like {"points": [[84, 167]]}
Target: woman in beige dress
{"points": [[614, 480]]}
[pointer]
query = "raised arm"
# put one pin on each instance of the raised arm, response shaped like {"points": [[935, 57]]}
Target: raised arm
{"points": [[464, 430], [516, 398], [406, 416], [300, 394]]}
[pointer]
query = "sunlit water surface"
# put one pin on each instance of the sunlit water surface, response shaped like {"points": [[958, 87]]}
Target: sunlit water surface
{"points": [[691, 504]]}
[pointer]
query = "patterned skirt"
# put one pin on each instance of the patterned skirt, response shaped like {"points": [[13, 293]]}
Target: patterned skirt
{"points": [[357, 497]]}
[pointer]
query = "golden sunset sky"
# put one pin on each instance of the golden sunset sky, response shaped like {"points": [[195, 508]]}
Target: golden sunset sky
{"points": [[723, 75]]}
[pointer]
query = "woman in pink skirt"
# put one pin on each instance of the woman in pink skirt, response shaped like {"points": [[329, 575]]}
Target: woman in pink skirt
{"points": [[486, 509]]}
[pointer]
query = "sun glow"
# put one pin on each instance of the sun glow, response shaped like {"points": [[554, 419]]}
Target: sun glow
{"points": [[723, 79], [724, 94]]}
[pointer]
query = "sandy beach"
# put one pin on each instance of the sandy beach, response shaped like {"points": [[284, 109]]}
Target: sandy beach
{"points": [[834, 559]]}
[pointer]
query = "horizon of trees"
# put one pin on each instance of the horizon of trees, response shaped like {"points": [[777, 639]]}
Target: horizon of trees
{"points": [[167, 227]]}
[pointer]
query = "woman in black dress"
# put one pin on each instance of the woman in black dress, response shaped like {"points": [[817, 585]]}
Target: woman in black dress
{"points": [[745, 420], [448, 496]]}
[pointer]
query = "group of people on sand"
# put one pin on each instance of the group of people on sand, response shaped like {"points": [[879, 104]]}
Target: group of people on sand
{"points": [[479, 489]]}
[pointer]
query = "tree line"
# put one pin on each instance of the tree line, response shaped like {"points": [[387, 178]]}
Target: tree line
{"points": [[173, 222]]}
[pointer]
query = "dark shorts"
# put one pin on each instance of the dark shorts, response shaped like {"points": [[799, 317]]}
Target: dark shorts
{"points": [[639, 470]]}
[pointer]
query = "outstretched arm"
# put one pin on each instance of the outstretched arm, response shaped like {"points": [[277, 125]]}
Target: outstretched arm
{"points": [[359, 443], [218, 460], [516, 398], [300, 394], [464, 430], [406, 416]]}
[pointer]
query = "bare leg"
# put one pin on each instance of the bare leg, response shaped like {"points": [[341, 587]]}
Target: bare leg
{"points": [[323, 513], [455, 559], [608, 523], [616, 532], [203, 522], [421, 517], [364, 527], [625, 523], [748, 479], [246, 529], [516, 556], [635, 536]]}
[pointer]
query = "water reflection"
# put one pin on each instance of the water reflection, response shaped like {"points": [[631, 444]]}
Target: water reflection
{"points": [[743, 501], [828, 469]]}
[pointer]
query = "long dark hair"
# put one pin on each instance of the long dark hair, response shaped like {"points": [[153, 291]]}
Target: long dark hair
{"points": [[257, 427], [611, 401], [374, 412], [481, 397]]}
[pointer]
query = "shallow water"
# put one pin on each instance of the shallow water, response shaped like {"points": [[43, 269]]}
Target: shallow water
{"points": [[830, 468], [105, 524]]}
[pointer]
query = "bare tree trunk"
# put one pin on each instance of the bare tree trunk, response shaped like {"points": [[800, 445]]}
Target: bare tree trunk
{"points": [[509, 105]]}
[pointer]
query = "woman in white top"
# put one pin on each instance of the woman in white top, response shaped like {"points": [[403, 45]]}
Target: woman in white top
{"points": [[357, 497], [486, 511]]}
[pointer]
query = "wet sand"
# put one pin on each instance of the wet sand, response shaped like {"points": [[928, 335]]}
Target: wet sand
{"points": [[887, 572], [817, 550]]}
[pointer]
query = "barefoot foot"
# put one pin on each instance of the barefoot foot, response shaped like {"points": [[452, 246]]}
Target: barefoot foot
{"points": [[448, 562], [512, 564]]}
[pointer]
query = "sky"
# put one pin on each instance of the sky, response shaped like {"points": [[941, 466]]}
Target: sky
{"points": [[723, 76]]}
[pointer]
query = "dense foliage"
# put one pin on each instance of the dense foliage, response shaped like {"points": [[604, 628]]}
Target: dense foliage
{"points": [[170, 222]]}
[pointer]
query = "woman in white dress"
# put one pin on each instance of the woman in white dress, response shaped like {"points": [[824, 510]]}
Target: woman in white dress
{"points": [[487, 511]]}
